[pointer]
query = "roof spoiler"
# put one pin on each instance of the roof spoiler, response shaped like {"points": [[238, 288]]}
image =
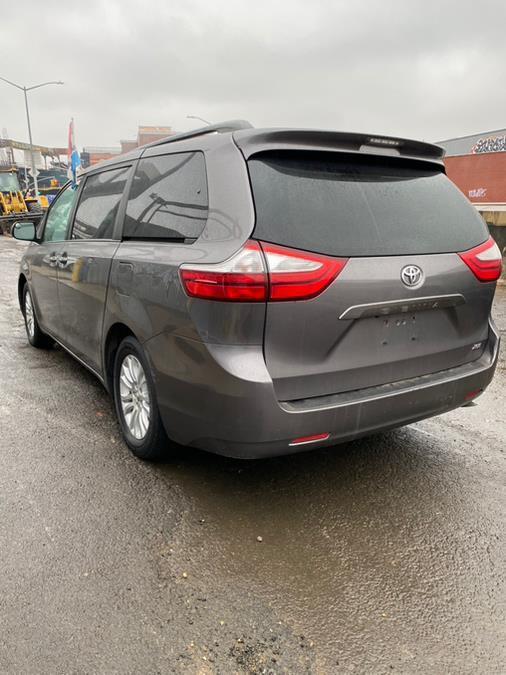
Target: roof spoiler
{"points": [[253, 141]]}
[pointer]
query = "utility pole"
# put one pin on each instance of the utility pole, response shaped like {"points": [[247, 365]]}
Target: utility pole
{"points": [[25, 91]]}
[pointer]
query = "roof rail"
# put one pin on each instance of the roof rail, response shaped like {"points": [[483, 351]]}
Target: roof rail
{"points": [[220, 128]]}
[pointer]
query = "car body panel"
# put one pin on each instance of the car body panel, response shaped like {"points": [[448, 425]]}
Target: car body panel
{"points": [[222, 398], [144, 279], [83, 277], [312, 350], [43, 266]]}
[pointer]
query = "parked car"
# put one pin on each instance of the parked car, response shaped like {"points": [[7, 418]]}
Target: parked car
{"points": [[257, 292]]}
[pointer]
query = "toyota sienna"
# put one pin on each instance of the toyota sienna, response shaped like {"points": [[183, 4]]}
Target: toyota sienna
{"points": [[256, 292]]}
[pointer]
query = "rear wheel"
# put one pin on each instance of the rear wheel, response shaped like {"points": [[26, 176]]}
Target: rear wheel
{"points": [[36, 337], [135, 401]]}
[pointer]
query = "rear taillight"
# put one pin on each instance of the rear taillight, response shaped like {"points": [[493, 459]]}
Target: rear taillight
{"points": [[241, 278], [485, 260], [260, 272], [298, 275]]}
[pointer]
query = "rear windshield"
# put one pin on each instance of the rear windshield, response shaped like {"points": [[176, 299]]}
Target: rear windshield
{"points": [[359, 206]]}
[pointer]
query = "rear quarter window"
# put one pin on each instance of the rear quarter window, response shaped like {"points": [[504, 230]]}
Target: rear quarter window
{"points": [[360, 206], [168, 198]]}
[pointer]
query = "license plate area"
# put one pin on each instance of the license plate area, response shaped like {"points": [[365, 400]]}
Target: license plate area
{"points": [[398, 330]]}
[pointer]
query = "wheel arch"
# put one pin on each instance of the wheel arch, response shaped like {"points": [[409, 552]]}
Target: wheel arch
{"points": [[22, 280], [117, 332]]}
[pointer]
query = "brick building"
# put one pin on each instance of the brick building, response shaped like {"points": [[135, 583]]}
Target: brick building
{"points": [[94, 154], [145, 134], [477, 165]]}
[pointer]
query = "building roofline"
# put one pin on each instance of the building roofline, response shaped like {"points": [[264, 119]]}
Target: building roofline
{"points": [[476, 154], [478, 133]]}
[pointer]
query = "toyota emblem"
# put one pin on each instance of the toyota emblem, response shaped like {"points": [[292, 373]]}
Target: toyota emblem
{"points": [[411, 276]]}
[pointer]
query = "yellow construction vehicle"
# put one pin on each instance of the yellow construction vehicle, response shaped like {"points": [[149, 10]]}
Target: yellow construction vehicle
{"points": [[14, 203]]}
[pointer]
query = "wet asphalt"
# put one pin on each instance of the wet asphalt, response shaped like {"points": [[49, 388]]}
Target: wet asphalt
{"points": [[378, 556]]}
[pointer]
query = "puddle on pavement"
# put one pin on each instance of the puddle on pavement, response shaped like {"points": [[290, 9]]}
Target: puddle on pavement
{"points": [[351, 535]]}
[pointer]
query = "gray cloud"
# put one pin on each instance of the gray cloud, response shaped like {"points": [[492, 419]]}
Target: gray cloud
{"points": [[428, 69]]}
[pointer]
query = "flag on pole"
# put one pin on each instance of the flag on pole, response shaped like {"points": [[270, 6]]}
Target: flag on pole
{"points": [[73, 158]]}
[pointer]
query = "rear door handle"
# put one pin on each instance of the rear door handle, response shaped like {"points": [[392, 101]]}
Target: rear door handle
{"points": [[63, 259], [53, 259]]}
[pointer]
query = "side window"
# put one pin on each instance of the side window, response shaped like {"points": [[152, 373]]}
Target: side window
{"points": [[58, 217], [98, 206], [168, 199]]}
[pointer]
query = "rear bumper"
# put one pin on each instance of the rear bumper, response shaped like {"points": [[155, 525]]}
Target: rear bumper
{"points": [[220, 398]]}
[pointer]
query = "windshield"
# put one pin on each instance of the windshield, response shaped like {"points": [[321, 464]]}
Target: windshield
{"points": [[9, 182], [346, 205]]}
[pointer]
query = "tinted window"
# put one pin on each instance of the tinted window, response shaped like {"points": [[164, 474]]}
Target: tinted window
{"points": [[168, 199], [59, 214], [353, 206], [96, 213]]}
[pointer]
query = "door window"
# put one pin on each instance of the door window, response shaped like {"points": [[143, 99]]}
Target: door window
{"points": [[58, 217], [98, 206], [168, 200]]}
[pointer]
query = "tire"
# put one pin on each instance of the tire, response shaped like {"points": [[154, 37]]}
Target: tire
{"points": [[36, 337], [133, 390]]}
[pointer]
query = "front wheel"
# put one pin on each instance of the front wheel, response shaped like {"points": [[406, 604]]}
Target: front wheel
{"points": [[135, 401], [33, 332]]}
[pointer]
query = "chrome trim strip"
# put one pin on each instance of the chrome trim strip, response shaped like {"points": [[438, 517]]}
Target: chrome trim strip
{"points": [[402, 306]]}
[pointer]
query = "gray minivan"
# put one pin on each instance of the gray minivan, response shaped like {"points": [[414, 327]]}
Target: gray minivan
{"points": [[256, 292]]}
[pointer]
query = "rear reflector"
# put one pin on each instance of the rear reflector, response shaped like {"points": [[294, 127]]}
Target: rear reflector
{"points": [[260, 272], [485, 261], [472, 394], [309, 439]]}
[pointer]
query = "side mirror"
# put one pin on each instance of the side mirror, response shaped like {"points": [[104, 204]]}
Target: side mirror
{"points": [[24, 231]]}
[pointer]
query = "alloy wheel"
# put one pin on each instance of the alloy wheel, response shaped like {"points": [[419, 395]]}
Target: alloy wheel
{"points": [[29, 315], [134, 396]]}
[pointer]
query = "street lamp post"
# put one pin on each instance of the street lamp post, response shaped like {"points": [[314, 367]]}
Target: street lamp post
{"points": [[196, 117], [25, 90]]}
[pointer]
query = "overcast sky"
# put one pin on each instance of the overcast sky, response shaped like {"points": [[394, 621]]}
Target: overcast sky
{"points": [[419, 68]]}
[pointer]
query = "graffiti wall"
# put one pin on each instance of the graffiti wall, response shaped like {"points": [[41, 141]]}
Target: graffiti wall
{"points": [[490, 144], [481, 176]]}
